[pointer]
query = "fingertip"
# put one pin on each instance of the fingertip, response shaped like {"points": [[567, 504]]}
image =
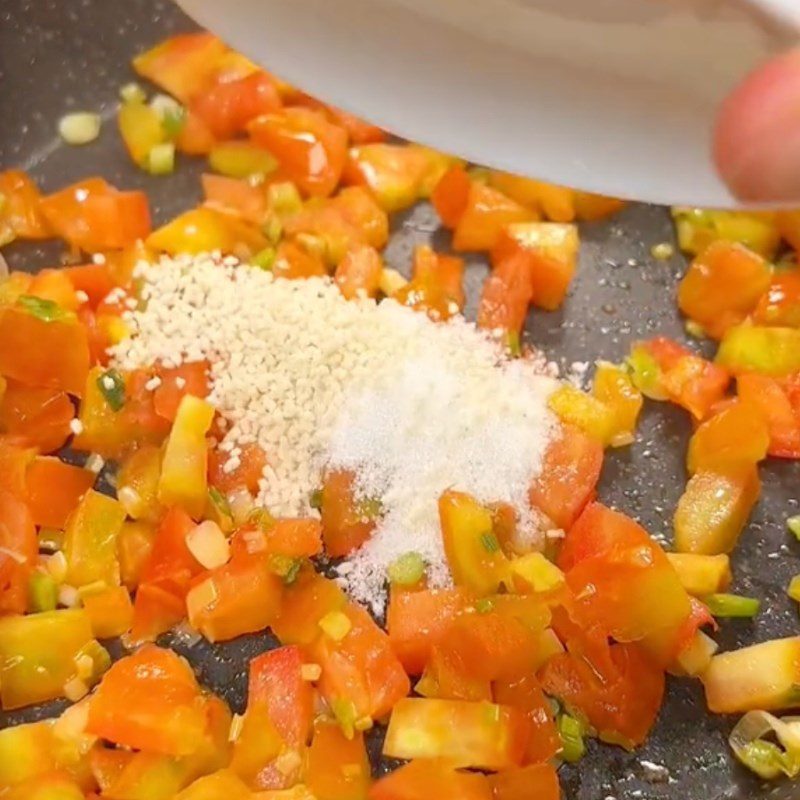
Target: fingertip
{"points": [[756, 145]]}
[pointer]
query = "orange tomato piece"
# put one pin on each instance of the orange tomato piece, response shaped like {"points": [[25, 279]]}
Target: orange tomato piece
{"points": [[95, 280], [110, 611], [53, 284], [722, 286], [294, 538], [293, 261], [194, 138], [202, 230], [451, 196], [358, 208], [358, 130], [551, 252], [19, 548], [426, 778], [235, 196], [250, 470], [486, 215], [506, 295], [128, 706], [40, 417], [360, 669], [15, 457], [358, 274], [134, 545], [338, 767], [538, 780], [20, 215], [311, 150], [182, 65], [447, 676], [155, 611], [171, 563], [92, 215], [591, 207], [346, 523], [54, 489], [229, 106], [417, 620], [780, 304], [569, 475], [436, 284], [38, 352], [176, 382], [773, 399]]}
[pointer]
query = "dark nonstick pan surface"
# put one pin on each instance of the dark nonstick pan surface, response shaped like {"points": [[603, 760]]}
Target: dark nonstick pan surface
{"points": [[58, 55]]}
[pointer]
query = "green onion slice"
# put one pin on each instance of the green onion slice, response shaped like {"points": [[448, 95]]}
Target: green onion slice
{"points": [[766, 758]]}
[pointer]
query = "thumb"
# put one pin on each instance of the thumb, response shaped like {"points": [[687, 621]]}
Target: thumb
{"points": [[757, 134]]}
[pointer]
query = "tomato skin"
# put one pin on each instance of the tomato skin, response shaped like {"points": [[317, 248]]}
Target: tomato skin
{"points": [[425, 778], [569, 475], [227, 107], [53, 490], [722, 286], [21, 215], [40, 417], [39, 353], [311, 150], [18, 536], [129, 706]]}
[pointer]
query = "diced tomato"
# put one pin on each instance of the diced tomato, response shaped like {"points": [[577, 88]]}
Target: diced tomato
{"points": [[360, 669], [426, 778], [138, 477], [311, 150], [53, 284], [392, 172], [54, 489], [229, 106], [40, 417], [155, 611], [293, 262], [177, 382], [309, 598], [38, 352], [243, 596], [525, 693], [338, 767], [486, 215], [194, 138], [294, 538], [203, 230], [346, 523], [447, 676], [556, 203], [451, 195], [128, 707], [780, 304], [550, 252], [417, 620], [722, 286], [506, 296], [235, 196], [489, 736], [359, 272], [20, 215], [568, 477], [110, 611], [15, 457], [436, 284], [539, 781], [182, 65], [252, 461], [18, 550], [773, 399], [95, 280], [92, 215], [134, 545], [590, 207]]}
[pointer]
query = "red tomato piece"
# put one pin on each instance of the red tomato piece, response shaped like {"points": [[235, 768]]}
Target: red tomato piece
{"points": [[53, 284], [346, 523], [95, 280], [235, 196], [40, 417], [92, 215], [359, 272], [448, 676], [129, 705], [486, 214], [19, 548], [176, 382], [360, 669], [426, 778], [229, 106], [539, 781], [506, 295], [155, 611], [54, 489], [451, 195], [252, 461], [195, 139], [20, 215], [569, 475], [293, 261], [311, 150], [171, 563], [358, 130]]}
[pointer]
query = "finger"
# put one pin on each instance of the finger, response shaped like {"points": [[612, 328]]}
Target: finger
{"points": [[757, 134]]}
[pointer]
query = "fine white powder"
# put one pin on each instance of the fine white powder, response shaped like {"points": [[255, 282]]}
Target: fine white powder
{"points": [[413, 407]]}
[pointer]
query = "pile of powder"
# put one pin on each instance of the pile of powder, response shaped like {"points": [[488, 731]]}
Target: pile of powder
{"points": [[413, 407]]}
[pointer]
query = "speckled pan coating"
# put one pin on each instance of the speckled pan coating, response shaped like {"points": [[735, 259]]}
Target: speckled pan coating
{"points": [[61, 55]]}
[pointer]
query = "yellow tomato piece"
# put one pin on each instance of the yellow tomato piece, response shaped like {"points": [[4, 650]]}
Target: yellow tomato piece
{"points": [[141, 129], [183, 480], [203, 230], [702, 575], [615, 389], [584, 411], [766, 351]]}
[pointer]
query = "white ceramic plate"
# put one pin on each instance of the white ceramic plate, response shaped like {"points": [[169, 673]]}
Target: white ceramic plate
{"points": [[613, 96]]}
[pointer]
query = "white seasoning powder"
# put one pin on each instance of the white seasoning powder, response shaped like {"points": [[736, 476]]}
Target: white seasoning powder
{"points": [[412, 406]]}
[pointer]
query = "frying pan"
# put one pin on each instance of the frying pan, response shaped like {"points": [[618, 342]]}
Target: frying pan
{"points": [[56, 56]]}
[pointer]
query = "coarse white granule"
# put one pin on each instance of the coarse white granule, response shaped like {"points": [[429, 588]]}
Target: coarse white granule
{"points": [[412, 406]]}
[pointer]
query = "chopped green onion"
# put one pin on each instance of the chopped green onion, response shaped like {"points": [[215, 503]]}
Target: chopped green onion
{"points": [[45, 310], [221, 509], [265, 258], [513, 344], [793, 524], [767, 759], [484, 605], [294, 570], [489, 542], [161, 159], [732, 605], [132, 93], [80, 127], [315, 501], [794, 588], [284, 198], [262, 518], [173, 121], [273, 228], [112, 387], [572, 745], [43, 592], [345, 713], [407, 570]]}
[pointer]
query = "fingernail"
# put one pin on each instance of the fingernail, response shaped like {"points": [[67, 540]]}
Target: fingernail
{"points": [[757, 136]]}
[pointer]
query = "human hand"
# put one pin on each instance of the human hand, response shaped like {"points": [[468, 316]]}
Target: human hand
{"points": [[757, 135]]}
